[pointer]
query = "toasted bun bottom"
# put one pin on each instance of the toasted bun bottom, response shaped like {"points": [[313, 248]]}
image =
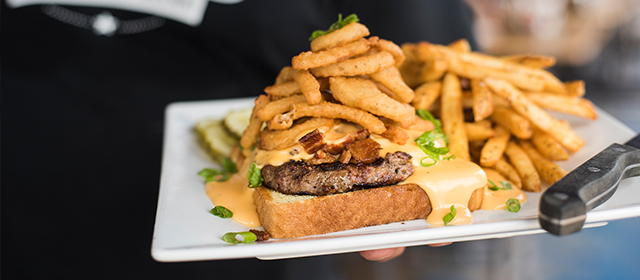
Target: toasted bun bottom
{"points": [[289, 216]]}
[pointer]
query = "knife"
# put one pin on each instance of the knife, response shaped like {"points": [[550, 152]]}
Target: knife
{"points": [[564, 206]]}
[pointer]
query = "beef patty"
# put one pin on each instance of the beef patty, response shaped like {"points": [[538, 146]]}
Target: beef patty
{"points": [[299, 177]]}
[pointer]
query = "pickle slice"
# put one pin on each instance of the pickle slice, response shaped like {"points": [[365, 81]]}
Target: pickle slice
{"points": [[237, 121], [217, 139]]}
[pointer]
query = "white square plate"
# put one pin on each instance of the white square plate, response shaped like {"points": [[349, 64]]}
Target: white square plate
{"points": [[186, 231]]}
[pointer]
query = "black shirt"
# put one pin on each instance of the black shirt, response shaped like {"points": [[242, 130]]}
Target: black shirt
{"points": [[82, 118]]}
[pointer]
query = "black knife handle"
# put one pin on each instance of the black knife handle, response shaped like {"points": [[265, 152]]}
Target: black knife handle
{"points": [[564, 206]]}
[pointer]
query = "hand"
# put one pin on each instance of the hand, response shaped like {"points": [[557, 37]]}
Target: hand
{"points": [[383, 255]]}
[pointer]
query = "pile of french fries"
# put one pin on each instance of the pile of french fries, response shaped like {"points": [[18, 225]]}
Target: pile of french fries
{"points": [[507, 128], [344, 76]]}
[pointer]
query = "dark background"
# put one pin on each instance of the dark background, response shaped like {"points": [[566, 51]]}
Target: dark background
{"points": [[82, 119]]}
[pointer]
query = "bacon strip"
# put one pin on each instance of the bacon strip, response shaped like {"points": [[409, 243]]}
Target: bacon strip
{"points": [[313, 141]]}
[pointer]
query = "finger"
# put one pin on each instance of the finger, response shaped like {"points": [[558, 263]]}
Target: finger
{"points": [[382, 255], [439, 244]]}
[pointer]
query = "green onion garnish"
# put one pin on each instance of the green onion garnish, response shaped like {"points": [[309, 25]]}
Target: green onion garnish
{"points": [[210, 174], [447, 218], [513, 205], [426, 141], [505, 185], [229, 166], [239, 237], [254, 176], [221, 212], [335, 26]]}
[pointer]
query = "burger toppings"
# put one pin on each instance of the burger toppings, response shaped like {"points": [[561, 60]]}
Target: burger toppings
{"points": [[313, 141], [300, 177], [364, 151]]}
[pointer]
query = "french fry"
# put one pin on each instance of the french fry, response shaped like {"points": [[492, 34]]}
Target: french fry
{"points": [[547, 146], [363, 94], [279, 106], [472, 71], [452, 116], [393, 49], [434, 63], [575, 88], [495, 146], [482, 100], [363, 65], [392, 80], [550, 82], [409, 51], [460, 45], [426, 94], [250, 135], [283, 89], [425, 52], [535, 114], [348, 33], [523, 164], [309, 86], [433, 70], [281, 139], [518, 125], [327, 110], [564, 104], [411, 71], [508, 171], [309, 59], [477, 131], [549, 171], [531, 60]]}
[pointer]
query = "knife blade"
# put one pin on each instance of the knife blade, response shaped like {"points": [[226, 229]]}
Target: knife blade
{"points": [[564, 205]]}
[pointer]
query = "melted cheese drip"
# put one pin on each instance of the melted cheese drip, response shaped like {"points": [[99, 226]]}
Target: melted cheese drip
{"points": [[235, 196], [449, 182], [497, 200]]}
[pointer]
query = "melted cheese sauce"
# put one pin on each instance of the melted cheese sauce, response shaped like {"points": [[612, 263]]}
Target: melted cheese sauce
{"points": [[449, 182], [497, 200], [235, 196]]}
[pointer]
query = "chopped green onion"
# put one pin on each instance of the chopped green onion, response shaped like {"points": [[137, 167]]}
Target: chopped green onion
{"points": [[494, 187], [447, 218], [505, 184], [229, 166], [335, 26], [254, 176], [239, 237], [221, 212], [513, 205], [426, 115], [210, 174], [450, 157], [426, 141]]}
